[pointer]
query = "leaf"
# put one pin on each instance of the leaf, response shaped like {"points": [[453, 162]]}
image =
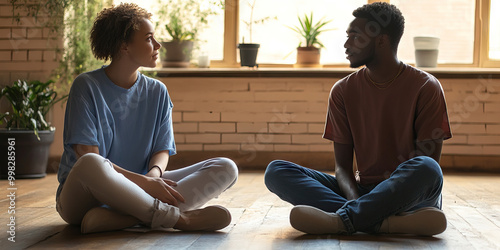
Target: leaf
{"points": [[33, 121], [310, 30], [30, 102]]}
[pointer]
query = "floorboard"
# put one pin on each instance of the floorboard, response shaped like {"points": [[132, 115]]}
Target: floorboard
{"points": [[260, 221]]}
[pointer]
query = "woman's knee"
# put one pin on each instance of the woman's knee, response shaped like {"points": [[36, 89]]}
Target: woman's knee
{"points": [[224, 171], [90, 163]]}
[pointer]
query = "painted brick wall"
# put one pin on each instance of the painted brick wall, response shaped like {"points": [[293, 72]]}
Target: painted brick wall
{"points": [[474, 111], [288, 114], [27, 48], [28, 51], [249, 114]]}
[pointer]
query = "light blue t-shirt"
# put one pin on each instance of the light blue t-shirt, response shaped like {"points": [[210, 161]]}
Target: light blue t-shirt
{"points": [[128, 125]]}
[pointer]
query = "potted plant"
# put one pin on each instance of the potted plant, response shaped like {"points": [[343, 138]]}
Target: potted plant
{"points": [[309, 55], [183, 20], [249, 51], [426, 51], [25, 142]]}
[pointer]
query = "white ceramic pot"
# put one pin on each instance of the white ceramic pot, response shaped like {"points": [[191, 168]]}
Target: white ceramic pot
{"points": [[426, 51]]}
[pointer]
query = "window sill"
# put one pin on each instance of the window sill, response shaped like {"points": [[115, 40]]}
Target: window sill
{"points": [[489, 73]]}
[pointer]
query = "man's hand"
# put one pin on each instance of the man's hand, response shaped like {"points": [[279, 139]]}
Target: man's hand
{"points": [[344, 170]]}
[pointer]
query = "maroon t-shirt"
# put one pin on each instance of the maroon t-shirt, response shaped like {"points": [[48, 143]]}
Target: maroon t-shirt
{"points": [[384, 123]]}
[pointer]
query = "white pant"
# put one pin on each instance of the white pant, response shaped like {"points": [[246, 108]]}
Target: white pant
{"points": [[93, 182]]}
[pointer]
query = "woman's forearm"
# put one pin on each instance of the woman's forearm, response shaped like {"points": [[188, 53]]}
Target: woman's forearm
{"points": [[159, 159]]}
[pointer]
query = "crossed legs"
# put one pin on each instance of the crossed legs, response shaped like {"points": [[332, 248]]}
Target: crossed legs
{"points": [[93, 183], [416, 184]]}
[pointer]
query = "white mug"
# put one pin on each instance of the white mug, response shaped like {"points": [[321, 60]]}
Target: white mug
{"points": [[203, 61]]}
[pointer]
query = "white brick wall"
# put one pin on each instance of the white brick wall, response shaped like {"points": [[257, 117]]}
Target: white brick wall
{"points": [[288, 114]]}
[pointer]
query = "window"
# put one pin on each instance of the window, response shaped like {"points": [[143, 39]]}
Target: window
{"points": [[453, 21], [450, 20], [494, 30], [211, 38], [278, 43]]}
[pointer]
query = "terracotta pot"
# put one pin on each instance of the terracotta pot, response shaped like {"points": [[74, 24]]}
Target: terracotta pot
{"points": [[308, 57], [178, 54], [23, 154]]}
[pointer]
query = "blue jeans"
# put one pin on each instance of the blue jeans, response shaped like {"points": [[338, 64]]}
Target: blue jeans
{"points": [[414, 184]]}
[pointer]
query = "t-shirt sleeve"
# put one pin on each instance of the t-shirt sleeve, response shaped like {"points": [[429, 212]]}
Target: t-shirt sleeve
{"points": [[80, 120], [431, 121], [337, 124], [165, 135]]}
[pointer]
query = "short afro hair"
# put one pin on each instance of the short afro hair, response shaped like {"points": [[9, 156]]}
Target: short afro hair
{"points": [[115, 26], [387, 16]]}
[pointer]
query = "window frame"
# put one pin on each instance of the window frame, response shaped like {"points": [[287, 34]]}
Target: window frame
{"points": [[480, 52], [483, 43]]}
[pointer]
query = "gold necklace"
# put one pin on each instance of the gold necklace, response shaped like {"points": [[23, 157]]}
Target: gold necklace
{"points": [[379, 85]]}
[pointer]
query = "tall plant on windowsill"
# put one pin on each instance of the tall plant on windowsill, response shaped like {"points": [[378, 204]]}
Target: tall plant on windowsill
{"points": [[309, 55], [249, 51], [178, 27]]}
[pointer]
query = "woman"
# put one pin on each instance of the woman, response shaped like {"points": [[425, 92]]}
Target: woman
{"points": [[118, 137]]}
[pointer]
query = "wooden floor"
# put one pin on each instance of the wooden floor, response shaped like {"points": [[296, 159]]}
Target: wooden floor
{"points": [[260, 221]]}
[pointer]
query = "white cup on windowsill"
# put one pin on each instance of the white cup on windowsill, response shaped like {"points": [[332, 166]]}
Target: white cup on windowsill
{"points": [[203, 61]]}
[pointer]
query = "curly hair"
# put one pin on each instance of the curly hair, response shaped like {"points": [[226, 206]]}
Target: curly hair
{"points": [[387, 16], [115, 26]]}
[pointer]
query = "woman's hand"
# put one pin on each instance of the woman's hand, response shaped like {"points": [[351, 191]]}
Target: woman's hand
{"points": [[161, 189], [157, 187]]}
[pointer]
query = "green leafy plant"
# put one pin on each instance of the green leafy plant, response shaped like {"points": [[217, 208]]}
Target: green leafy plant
{"points": [[30, 102], [310, 31], [184, 19], [77, 56]]}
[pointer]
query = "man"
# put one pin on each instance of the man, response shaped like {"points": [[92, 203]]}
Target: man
{"points": [[394, 118]]}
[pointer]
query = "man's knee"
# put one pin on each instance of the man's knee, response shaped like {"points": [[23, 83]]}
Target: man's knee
{"points": [[429, 168], [274, 172]]}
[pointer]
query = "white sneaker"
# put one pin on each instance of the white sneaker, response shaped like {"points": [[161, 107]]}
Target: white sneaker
{"points": [[312, 220], [426, 221]]}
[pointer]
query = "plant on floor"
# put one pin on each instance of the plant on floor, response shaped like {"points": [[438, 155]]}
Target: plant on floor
{"points": [[30, 102], [27, 132]]}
